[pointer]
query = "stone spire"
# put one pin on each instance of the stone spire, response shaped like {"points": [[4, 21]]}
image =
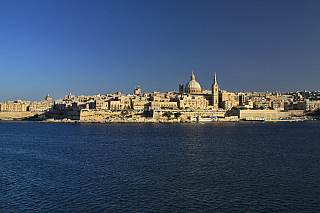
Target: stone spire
{"points": [[215, 93], [215, 79]]}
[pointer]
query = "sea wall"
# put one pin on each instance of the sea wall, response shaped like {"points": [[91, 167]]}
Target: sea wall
{"points": [[11, 116], [87, 114], [94, 114], [158, 114], [72, 114], [268, 114]]}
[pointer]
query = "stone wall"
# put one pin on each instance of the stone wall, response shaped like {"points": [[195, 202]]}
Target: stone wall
{"points": [[86, 114], [72, 114], [92, 114], [159, 114], [10, 116], [268, 114]]}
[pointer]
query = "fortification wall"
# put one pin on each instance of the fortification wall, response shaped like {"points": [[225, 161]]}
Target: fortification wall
{"points": [[269, 114], [96, 114], [159, 114], [86, 114], [11, 116]]}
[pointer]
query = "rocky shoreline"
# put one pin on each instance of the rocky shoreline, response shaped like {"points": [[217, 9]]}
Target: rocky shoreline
{"points": [[196, 117], [101, 121], [151, 120]]}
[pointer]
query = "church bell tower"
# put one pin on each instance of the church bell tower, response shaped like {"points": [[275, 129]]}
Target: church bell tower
{"points": [[215, 93]]}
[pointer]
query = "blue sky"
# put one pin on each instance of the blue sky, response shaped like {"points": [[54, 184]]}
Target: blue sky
{"points": [[97, 47]]}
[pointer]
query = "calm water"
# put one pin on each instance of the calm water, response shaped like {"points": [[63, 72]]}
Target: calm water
{"points": [[228, 167]]}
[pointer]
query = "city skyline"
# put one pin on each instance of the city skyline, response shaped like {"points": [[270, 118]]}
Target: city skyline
{"points": [[90, 48]]}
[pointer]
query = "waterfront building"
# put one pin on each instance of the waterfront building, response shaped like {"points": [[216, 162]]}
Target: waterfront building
{"points": [[193, 102], [277, 105], [306, 105], [160, 98], [227, 100], [115, 105], [101, 104], [312, 105], [14, 106], [162, 105], [41, 106], [140, 104]]}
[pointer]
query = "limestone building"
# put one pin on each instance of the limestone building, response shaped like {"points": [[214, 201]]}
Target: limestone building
{"points": [[193, 93], [45, 105], [137, 91], [193, 102], [14, 106]]}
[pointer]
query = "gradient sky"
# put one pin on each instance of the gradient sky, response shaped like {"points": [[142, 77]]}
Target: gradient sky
{"points": [[97, 47]]}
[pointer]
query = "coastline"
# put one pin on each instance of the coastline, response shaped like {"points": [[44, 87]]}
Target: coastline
{"points": [[140, 121], [159, 116]]}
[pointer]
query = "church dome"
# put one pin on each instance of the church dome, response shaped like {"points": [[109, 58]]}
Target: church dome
{"points": [[193, 86]]}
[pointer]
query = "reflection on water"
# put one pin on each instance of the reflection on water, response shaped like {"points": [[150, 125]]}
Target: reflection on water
{"points": [[229, 167]]}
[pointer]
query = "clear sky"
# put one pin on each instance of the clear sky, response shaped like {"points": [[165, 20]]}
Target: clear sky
{"points": [[96, 47]]}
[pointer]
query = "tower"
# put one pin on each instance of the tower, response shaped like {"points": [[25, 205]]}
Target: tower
{"points": [[215, 93], [180, 88], [48, 98], [137, 91]]}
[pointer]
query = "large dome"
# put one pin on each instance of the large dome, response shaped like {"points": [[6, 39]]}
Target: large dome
{"points": [[192, 86]]}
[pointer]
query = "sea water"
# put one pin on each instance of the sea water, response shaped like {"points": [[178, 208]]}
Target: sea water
{"points": [[212, 167]]}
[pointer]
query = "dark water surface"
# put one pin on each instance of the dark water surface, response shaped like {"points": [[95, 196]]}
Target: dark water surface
{"points": [[216, 167]]}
